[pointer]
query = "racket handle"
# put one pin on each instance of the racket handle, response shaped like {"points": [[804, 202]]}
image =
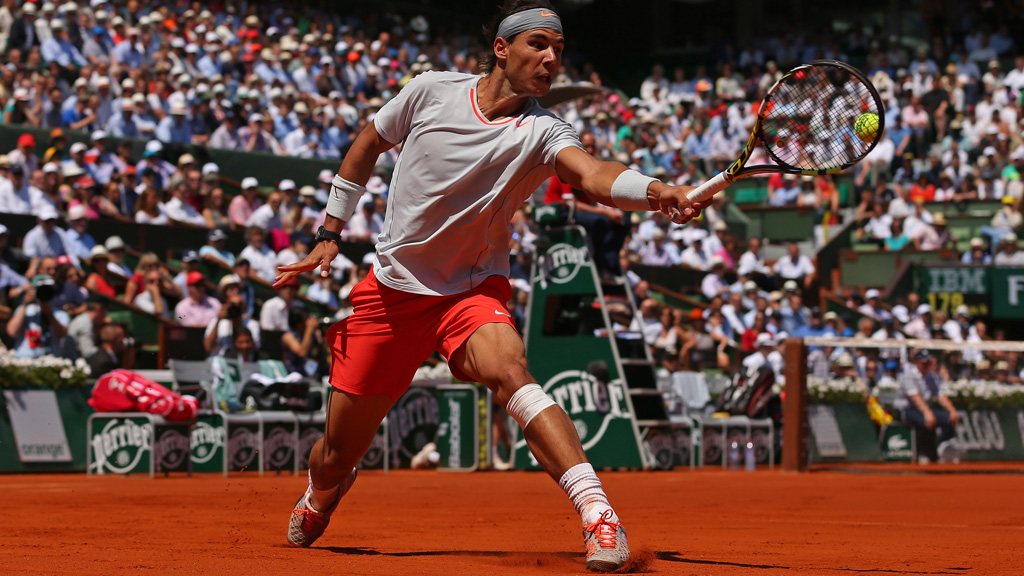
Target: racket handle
{"points": [[708, 189]]}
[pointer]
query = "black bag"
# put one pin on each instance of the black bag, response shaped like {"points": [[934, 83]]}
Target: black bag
{"points": [[748, 394], [277, 396]]}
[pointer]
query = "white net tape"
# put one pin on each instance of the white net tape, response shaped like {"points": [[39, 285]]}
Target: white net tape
{"points": [[994, 345]]}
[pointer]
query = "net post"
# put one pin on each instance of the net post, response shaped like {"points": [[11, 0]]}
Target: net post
{"points": [[794, 446]]}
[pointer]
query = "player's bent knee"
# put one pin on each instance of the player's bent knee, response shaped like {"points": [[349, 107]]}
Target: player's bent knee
{"points": [[527, 403]]}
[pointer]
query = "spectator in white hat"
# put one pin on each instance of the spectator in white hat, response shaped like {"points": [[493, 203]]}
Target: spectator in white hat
{"points": [[127, 51], [872, 306], [764, 345], [104, 99], [323, 180], [145, 115], [52, 179], [255, 139], [976, 256], [921, 325], [243, 205], [209, 64], [715, 241], [124, 124], [310, 212], [21, 34], [59, 49], [79, 241], [103, 160], [116, 250], [1008, 254], [21, 110], [175, 129]]}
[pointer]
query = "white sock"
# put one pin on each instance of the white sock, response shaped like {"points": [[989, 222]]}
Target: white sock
{"points": [[329, 495], [583, 488]]}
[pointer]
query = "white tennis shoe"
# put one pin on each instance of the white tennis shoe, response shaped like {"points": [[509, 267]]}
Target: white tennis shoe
{"points": [[607, 549], [307, 524]]}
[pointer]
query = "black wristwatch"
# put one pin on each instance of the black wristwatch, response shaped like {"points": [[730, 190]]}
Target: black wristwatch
{"points": [[325, 234]]}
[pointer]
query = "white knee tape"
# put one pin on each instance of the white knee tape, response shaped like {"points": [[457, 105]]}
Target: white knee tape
{"points": [[344, 198], [527, 403]]}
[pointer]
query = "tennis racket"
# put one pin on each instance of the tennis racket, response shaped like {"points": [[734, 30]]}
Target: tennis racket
{"points": [[806, 124]]}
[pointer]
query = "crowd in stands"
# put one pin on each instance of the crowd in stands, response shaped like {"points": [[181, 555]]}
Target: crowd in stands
{"points": [[300, 82]]}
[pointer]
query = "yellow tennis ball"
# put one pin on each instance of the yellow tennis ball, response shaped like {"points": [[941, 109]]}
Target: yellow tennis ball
{"points": [[866, 127]]}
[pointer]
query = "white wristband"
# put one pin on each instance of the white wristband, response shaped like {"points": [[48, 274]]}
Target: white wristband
{"points": [[629, 191], [344, 198]]}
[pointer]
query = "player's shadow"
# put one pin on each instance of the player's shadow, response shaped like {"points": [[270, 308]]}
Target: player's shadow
{"points": [[675, 557], [359, 551], [538, 558]]}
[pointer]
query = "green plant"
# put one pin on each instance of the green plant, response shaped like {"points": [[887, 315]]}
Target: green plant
{"points": [[44, 372], [836, 390], [983, 394]]}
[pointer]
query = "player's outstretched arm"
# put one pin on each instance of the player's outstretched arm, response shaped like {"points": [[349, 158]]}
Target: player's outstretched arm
{"points": [[355, 171], [358, 164], [610, 184]]}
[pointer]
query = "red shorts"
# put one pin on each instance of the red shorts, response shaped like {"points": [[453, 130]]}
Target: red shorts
{"points": [[390, 333]]}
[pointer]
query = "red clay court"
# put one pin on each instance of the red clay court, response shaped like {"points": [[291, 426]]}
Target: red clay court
{"points": [[878, 520]]}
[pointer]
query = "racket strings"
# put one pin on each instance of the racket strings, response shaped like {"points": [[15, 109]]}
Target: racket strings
{"points": [[809, 121]]}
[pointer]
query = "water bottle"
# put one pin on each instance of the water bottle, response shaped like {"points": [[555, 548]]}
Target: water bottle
{"points": [[749, 462], [734, 455]]}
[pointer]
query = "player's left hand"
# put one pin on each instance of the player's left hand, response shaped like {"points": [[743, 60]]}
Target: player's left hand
{"points": [[321, 255]]}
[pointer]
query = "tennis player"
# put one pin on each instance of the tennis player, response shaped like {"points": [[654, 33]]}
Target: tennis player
{"points": [[473, 150]]}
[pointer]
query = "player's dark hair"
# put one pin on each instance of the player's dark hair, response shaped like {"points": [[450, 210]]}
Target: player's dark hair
{"points": [[509, 7]]}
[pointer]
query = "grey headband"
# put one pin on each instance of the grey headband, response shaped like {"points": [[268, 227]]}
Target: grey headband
{"points": [[528, 20]]}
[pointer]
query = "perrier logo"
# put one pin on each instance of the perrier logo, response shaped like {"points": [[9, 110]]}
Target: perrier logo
{"points": [[590, 403], [206, 440], [120, 446], [564, 261]]}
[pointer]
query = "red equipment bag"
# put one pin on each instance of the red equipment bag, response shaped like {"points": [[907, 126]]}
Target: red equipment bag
{"points": [[126, 391]]}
